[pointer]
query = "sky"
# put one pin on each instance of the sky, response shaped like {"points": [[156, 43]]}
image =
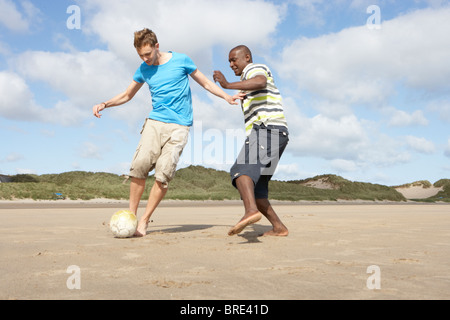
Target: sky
{"points": [[365, 83]]}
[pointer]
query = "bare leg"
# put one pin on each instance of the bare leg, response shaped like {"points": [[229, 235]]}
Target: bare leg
{"points": [[157, 193], [279, 229], [137, 187], [252, 215]]}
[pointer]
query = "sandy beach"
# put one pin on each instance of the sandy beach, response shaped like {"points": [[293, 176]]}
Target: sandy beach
{"points": [[188, 255]]}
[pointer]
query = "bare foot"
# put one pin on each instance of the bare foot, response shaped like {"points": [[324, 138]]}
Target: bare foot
{"points": [[141, 229], [245, 221], [276, 233]]}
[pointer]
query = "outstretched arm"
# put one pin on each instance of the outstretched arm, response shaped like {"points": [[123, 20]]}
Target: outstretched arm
{"points": [[118, 100], [210, 86]]}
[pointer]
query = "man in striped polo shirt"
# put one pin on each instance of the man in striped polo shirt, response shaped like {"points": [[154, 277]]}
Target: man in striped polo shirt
{"points": [[267, 137]]}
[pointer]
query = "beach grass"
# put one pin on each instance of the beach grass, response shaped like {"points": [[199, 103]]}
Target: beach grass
{"points": [[198, 183]]}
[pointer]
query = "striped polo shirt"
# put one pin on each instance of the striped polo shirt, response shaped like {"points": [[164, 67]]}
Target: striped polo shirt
{"points": [[263, 106]]}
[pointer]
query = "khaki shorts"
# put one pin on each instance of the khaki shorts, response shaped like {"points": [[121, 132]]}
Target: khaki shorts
{"points": [[160, 148]]}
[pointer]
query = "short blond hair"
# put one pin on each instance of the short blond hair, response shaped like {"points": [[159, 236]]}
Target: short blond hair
{"points": [[145, 37]]}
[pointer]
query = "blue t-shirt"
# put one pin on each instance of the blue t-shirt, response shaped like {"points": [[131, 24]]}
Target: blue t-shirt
{"points": [[169, 87]]}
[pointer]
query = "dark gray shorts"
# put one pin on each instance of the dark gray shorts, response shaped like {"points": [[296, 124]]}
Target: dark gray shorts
{"points": [[259, 157]]}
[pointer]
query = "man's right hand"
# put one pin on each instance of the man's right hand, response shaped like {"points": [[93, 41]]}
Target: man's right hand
{"points": [[97, 108], [220, 78]]}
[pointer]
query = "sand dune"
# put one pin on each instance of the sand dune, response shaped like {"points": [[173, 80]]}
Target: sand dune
{"points": [[418, 192]]}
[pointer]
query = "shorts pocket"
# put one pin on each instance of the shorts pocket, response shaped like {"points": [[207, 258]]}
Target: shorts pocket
{"points": [[137, 152], [143, 126]]}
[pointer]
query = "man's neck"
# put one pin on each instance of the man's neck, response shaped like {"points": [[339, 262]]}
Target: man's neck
{"points": [[163, 58]]}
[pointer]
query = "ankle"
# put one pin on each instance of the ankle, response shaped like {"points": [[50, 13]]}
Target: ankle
{"points": [[251, 212]]}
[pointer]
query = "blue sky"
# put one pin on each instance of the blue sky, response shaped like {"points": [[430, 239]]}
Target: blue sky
{"points": [[365, 100]]}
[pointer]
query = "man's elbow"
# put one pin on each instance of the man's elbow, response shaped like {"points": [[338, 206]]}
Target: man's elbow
{"points": [[260, 83], [260, 86]]}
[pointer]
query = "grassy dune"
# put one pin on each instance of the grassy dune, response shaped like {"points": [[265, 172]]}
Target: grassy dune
{"points": [[197, 183], [443, 195]]}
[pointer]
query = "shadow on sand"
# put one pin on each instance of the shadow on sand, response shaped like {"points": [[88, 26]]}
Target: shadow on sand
{"points": [[250, 234], [253, 232], [180, 229]]}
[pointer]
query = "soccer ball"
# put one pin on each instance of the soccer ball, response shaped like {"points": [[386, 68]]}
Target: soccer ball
{"points": [[123, 224]]}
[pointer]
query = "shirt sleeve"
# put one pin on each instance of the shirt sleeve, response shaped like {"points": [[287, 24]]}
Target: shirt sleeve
{"points": [[257, 71], [189, 65], [138, 77]]}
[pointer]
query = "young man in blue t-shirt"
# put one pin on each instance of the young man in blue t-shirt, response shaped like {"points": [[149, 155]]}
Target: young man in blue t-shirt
{"points": [[165, 132]]}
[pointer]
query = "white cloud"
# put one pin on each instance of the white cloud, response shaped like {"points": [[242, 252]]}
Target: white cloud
{"points": [[372, 68], [193, 27], [11, 18], [328, 138], [15, 20], [216, 113], [17, 102], [80, 76], [31, 12], [401, 118], [350, 143], [357, 65], [442, 108], [341, 165], [287, 171], [332, 110], [85, 78], [420, 145], [383, 151], [16, 98]]}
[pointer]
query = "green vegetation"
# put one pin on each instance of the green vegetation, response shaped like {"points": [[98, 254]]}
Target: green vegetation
{"points": [[199, 183], [423, 183], [73, 185], [340, 189]]}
